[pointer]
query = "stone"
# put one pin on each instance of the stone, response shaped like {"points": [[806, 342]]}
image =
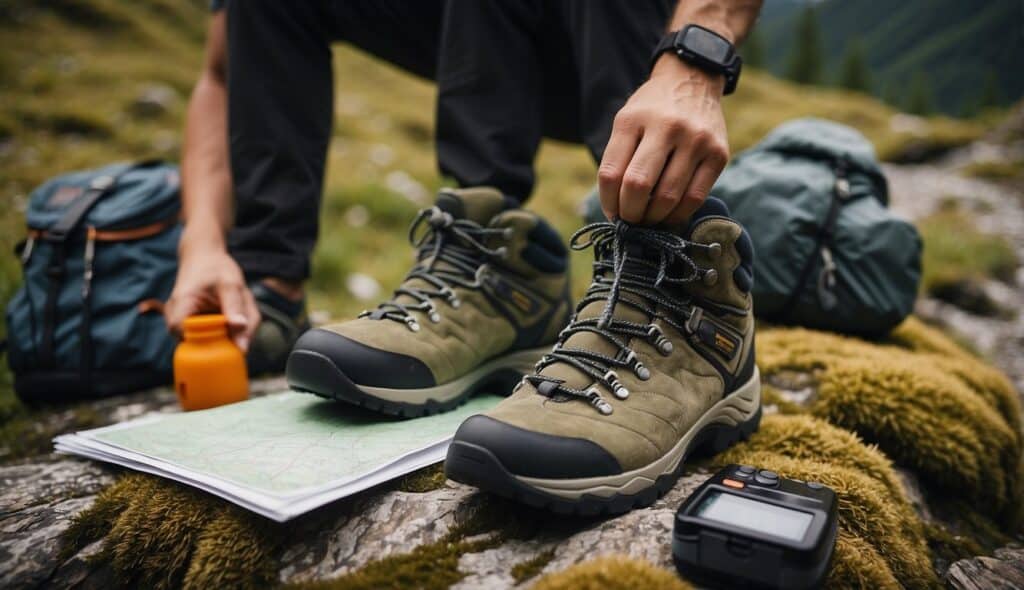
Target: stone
{"points": [[39, 501], [154, 101], [1002, 571]]}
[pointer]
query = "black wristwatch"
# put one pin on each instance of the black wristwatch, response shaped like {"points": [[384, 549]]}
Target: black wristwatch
{"points": [[705, 49]]}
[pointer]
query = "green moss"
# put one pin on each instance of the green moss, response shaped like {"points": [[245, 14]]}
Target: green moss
{"points": [[524, 570], [612, 573], [432, 566], [857, 564], [424, 480], [955, 253], [934, 408], [871, 503], [428, 567], [947, 547], [159, 534], [28, 432]]}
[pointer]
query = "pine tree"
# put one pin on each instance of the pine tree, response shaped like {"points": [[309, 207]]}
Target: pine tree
{"points": [[854, 73], [919, 98], [805, 58], [752, 50]]}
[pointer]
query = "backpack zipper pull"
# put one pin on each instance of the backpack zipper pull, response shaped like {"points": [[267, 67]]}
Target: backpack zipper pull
{"points": [[90, 254], [26, 253], [827, 280]]}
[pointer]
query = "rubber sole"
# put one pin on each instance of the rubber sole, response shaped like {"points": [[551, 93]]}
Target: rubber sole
{"points": [[311, 372], [731, 420]]}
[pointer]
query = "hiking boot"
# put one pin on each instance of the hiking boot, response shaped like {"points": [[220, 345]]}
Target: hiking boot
{"points": [[657, 362], [484, 301], [283, 321]]}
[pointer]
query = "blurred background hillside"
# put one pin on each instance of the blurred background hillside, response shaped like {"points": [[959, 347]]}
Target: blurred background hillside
{"points": [[950, 56], [87, 82]]}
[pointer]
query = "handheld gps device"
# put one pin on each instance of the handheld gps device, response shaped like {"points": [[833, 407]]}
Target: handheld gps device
{"points": [[748, 527]]}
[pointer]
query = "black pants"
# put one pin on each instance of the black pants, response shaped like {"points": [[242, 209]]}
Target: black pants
{"points": [[508, 72]]}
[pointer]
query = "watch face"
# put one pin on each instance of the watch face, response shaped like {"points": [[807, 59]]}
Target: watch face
{"points": [[707, 44]]}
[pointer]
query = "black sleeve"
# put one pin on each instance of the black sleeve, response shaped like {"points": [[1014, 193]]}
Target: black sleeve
{"points": [[216, 5]]}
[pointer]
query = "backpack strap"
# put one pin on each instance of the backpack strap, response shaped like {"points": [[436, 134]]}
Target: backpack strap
{"points": [[58, 235], [826, 281]]}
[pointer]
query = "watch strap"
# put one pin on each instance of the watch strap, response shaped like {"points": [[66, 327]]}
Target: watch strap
{"points": [[731, 71]]}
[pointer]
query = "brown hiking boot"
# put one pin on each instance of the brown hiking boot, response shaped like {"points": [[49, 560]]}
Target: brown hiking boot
{"points": [[657, 362], [482, 304]]}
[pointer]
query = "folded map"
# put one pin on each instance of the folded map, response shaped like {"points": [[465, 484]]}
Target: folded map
{"points": [[280, 455]]}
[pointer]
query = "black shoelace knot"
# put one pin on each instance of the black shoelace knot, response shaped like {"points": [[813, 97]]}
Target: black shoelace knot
{"points": [[450, 252], [635, 266]]}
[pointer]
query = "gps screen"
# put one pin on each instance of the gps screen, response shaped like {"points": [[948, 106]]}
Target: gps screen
{"points": [[750, 514]]}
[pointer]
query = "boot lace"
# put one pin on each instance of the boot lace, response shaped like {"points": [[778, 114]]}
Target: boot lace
{"points": [[450, 253], [622, 276]]}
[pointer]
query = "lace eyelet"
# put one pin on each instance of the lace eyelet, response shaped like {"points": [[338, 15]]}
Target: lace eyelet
{"points": [[412, 324], [595, 399], [509, 233], [714, 250], [434, 317], [663, 344], [618, 389], [642, 372], [709, 277]]}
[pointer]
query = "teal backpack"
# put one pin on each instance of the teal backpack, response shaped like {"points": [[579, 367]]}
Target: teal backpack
{"points": [[99, 260], [830, 254]]}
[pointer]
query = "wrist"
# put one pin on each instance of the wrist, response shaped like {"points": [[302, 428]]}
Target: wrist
{"points": [[670, 66], [197, 236]]}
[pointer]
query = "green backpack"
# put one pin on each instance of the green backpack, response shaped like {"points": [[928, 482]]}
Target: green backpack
{"points": [[830, 254]]}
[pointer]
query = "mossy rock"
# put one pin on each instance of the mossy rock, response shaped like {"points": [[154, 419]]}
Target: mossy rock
{"points": [[916, 401]]}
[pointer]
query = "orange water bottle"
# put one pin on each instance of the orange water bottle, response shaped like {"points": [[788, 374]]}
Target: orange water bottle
{"points": [[209, 370]]}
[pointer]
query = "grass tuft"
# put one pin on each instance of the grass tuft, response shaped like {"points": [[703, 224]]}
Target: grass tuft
{"points": [[957, 254], [524, 570]]}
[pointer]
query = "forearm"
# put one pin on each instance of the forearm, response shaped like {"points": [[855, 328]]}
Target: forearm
{"points": [[206, 173]]}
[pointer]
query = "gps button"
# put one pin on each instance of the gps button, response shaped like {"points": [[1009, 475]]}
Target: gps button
{"points": [[745, 471], [768, 478], [814, 485]]}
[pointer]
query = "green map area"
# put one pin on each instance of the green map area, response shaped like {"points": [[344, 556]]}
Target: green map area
{"points": [[289, 442]]}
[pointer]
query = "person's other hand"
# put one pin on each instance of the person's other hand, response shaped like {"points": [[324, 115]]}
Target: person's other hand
{"points": [[668, 146], [208, 281]]}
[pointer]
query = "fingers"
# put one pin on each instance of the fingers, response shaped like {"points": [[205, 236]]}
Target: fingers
{"points": [[175, 312], [641, 175], [238, 307], [617, 154], [703, 179], [668, 193]]}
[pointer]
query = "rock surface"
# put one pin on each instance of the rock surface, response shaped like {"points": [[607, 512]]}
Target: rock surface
{"points": [[39, 497], [1002, 571]]}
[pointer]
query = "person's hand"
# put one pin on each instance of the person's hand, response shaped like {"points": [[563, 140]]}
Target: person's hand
{"points": [[668, 146], [209, 280]]}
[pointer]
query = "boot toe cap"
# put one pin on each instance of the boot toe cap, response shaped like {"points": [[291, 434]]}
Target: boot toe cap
{"points": [[361, 364], [534, 454]]}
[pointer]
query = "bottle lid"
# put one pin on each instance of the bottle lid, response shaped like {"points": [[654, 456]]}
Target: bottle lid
{"points": [[206, 325]]}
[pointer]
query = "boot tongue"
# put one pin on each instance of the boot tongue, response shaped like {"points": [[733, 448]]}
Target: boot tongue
{"points": [[477, 204]]}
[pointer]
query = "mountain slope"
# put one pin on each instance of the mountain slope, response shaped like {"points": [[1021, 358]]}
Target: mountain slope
{"points": [[955, 44]]}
